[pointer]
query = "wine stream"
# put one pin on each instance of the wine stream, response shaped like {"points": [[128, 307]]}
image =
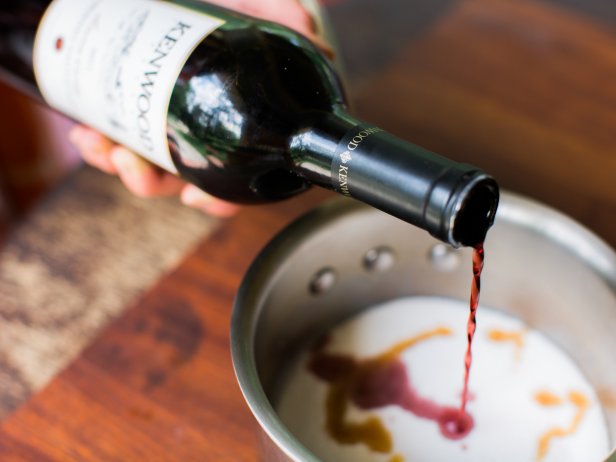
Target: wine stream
{"points": [[478, 258]]}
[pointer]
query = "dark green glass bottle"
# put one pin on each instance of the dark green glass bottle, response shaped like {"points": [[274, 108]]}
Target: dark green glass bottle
{"points": [[258, 114]]}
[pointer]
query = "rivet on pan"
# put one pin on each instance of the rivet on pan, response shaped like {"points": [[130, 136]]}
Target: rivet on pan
{"points": [[379, 259], [322, 281], [444, 257]]}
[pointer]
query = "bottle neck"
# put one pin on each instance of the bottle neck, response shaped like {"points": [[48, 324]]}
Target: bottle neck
{"points": [[455, 202]]}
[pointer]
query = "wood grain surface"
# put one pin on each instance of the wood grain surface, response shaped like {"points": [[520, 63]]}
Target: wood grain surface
{"points": [[73, 265], [158, 385], [521, 88]]}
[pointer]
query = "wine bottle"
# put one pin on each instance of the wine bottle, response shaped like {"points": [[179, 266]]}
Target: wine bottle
{"points": [[246, 109]]}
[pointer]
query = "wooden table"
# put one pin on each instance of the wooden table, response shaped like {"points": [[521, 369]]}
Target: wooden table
{"points": [[523, 89]]}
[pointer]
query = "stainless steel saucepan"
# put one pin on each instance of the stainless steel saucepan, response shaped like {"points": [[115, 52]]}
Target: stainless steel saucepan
{"points": [[541, 266]]}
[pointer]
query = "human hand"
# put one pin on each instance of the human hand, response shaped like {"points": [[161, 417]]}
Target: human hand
{"points": [[147, 180]]}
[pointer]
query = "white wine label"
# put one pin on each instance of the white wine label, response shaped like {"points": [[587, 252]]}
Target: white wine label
{"points": [[112, 64]]}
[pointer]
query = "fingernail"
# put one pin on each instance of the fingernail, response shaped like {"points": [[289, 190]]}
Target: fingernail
{"points": [[221, 209], [75, 134], [196, 198], [84, 138], [128, 164], [88, 140]]}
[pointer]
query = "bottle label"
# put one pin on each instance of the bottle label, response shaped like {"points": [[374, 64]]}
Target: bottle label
{"points": [[112, 64], [342, 163]]}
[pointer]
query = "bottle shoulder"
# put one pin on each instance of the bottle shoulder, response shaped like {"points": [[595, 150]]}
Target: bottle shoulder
{"points": [[254, 73], [246, 89]]}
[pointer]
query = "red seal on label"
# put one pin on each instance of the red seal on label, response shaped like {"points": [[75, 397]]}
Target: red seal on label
{"points": [[59, 43]]}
